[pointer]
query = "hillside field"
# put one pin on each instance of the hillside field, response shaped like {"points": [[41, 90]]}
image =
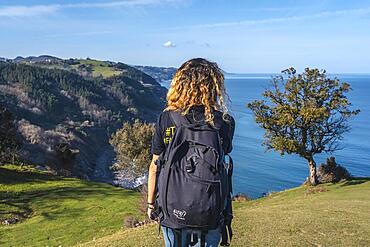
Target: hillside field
{"points": [[56, 211], [69, 212]]}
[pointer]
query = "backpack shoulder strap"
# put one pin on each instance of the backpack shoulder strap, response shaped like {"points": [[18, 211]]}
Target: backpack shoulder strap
{"points": [[218, 122], [226, 229]]}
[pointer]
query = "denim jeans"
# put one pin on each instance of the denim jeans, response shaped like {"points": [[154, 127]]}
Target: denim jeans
{"points": [[213, 237]]}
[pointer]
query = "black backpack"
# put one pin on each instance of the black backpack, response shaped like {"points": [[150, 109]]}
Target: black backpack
{"points": [[194, 181]]}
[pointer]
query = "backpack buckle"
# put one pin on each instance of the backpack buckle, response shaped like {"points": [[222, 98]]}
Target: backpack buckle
{"points": [[191, 163]]}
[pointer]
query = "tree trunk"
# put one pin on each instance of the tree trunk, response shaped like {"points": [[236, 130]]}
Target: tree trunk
{"points": [[312, 179]]}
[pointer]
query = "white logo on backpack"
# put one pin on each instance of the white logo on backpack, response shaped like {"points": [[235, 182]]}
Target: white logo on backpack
{"points": [[180, 214]]}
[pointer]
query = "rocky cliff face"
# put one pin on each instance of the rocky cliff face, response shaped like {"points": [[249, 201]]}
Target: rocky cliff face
{"points": [[66, 110]]}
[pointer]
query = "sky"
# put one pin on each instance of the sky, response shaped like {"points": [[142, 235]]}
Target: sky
{"points": [[250, 36]]}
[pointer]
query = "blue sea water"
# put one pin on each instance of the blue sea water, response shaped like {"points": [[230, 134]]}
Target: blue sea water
{"points": [[257, 171]]}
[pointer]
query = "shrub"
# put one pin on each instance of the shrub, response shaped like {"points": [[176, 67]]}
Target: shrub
{"points": [[130, 221], [132, 145], [240, 197]]}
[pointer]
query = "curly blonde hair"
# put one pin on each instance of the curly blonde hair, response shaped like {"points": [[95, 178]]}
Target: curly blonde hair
{"points": [[198, 82]]}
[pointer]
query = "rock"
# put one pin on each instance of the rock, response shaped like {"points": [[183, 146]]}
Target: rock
{"points": [[10, 221], [240, 197], [331, 172]]}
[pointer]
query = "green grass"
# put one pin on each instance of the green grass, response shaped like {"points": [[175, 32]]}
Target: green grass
{"points": [[70, 212], [329, 215], [100, 68], [59, 211]]}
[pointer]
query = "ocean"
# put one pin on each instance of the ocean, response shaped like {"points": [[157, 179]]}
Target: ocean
{"points": [[257, 171]]}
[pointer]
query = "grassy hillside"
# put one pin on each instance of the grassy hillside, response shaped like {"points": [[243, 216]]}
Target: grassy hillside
{"points": [[96, 68], [329, 215], [99, 68], [70, 108], [57, 211], [68, 212]]}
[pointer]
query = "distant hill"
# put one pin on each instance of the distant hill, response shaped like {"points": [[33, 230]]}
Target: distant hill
{"points": [[66, 109], [46, 59], [158, 73], [95, 68]]}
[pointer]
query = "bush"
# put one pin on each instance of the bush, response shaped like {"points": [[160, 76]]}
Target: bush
{"points": [[130, 222], [331, 172], [132, 144], [240, 197]]}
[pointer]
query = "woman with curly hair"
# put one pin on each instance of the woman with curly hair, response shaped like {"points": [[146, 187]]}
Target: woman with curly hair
{"points": [[197, 94]]}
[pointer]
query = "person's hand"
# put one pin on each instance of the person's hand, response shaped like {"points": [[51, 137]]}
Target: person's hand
{"points": [[150, 211]]}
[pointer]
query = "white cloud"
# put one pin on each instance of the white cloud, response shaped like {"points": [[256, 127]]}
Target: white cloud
{"points": [[17, 11], [169, 44], [35, 10]]}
